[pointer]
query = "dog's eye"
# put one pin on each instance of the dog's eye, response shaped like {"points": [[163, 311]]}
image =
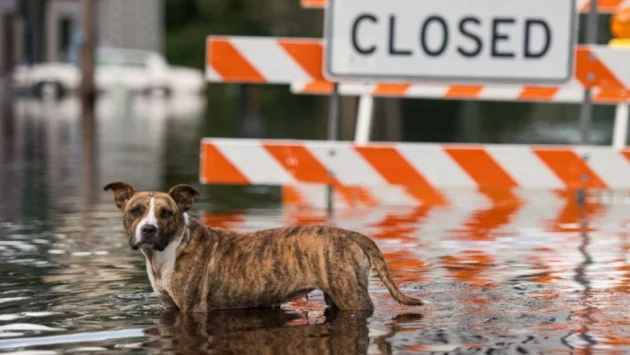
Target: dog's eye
{"points": [[166, 213], [135, 211]]}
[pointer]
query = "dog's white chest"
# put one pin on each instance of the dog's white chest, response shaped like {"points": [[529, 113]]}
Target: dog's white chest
{"points": [[160, 269]]}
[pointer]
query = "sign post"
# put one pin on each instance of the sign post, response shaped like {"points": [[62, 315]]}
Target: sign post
{"points": [[333, 135], [592, 31], [481, 41], [586, 114]]}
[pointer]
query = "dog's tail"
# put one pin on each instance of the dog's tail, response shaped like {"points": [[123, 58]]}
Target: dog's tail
{"points": [[378, 262]]}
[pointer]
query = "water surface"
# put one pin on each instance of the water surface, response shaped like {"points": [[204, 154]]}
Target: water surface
{"points": [[538, 276]]}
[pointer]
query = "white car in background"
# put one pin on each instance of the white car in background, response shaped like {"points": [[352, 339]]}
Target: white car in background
{"points": [[134, 70]]}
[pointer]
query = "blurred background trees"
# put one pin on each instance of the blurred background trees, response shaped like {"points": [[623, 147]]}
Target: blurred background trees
{"points": [[260, 107]]}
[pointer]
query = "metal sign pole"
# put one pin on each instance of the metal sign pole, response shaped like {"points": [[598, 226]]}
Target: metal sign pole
{"points": [[333, 133], [592, 31]]}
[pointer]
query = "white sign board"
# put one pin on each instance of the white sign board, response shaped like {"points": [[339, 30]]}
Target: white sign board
{"points": [[513, 41]]}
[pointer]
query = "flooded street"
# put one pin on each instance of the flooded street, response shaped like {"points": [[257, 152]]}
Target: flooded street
{"points": [[539, 275]]}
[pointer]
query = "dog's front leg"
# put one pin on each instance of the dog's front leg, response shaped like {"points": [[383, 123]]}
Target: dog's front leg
{"points": [[167, 301]]}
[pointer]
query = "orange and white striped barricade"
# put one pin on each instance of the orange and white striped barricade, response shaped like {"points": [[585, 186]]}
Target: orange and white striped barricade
{"points": [[419, 172], [299, 61], [573, 92]]}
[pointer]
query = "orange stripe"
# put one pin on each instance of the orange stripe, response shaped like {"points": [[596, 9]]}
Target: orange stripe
{"points": [[537, 93], [401, 226], [230, 64], [391, 89], [215, 168], [482, 222], [481, 167], [502, 196], [586, 65], [308, 55], [314, 3], [300, 218], [572, 213], [298, 161], [463, 91], [611, 95], [226, 221], [626, 153], [469, 266], [602, 5], [405, 266], [569, 167], [292, 196], [354, 194], [318, 87], [304, 167], [397, 171]]}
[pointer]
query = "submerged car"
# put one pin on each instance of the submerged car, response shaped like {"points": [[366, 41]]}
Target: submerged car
{"points": [[138, 71]]}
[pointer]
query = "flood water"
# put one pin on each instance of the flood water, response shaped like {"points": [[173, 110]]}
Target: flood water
{"points": [[540, 275]]}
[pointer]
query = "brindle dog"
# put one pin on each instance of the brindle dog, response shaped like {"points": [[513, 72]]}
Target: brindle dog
{"points": [[195, 268]]}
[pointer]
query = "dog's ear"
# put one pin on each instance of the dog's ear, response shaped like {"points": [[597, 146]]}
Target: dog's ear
{"points": [[183, 195], [122, 192]]}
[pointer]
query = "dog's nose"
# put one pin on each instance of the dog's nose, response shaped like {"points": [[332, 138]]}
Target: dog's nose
{"points": [[149, 230]]}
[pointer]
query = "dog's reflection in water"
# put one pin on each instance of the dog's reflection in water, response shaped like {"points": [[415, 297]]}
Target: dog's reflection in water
{"points": [[263, 331]]}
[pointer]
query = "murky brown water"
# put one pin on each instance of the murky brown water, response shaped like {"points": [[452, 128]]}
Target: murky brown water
{"points": [[538, 277]]}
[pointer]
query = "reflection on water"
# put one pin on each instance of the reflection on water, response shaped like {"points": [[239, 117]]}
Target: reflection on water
{"points": [[536, 275]]}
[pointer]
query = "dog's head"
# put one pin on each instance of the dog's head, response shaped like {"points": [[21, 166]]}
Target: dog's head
{"points": [[152, 219]]}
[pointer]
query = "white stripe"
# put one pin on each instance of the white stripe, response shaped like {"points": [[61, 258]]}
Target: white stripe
{"points": [[148, 219], [271, 60], [429, 91], [434, 164], [616, 60], [365, 223], [505, 92], [524, 167], [569, 94], [298, 87], [212, 75], [393, 196], [615, 218], [253, 161], [441, 220], [608, 164], [349, 167], [540, 206], [466, 197], [314, 195], [355, 89]]}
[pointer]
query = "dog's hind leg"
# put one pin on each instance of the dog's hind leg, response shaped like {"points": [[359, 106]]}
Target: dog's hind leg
{"points": [[350, 291], [355, 297]]}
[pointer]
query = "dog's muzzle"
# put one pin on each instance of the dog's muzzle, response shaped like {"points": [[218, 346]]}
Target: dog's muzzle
{"points": [[148, 237]]}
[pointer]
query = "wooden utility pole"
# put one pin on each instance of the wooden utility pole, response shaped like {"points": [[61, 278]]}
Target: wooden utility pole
{"points": [[88, 92], [52, 31], [88, 100]]}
